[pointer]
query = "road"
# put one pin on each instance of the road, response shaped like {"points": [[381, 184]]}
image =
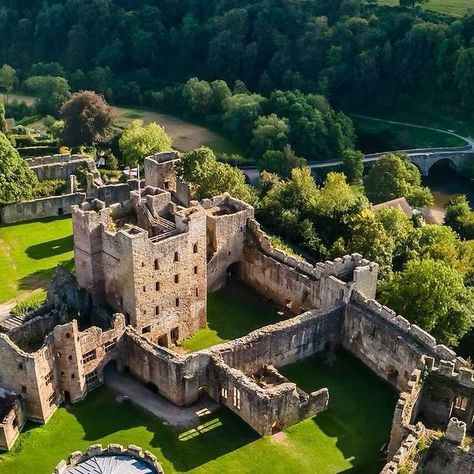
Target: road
{"points": [[253, 173]]}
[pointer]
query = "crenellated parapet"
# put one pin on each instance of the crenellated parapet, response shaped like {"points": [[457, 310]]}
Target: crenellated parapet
{"points": [[112, 455], [339, 267], [388, 316]]}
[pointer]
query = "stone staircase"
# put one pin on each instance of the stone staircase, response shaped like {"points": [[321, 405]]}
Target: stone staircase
{"points": [[10, 322]]}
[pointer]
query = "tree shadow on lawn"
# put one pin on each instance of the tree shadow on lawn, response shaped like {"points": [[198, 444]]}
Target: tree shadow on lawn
{"points": [[41, 278], [50, 248], [218, 433], [360, 408]]}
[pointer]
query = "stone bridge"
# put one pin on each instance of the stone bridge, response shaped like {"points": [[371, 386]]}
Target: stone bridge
{"points": [[423, 158]]}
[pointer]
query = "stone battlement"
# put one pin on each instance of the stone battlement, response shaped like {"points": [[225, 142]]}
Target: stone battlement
{"points": [[339, 267], [389, 316], [461, 375], [96, 450]]}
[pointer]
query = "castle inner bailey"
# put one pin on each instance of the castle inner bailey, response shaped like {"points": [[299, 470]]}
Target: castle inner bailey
{"points": [[144, 267]]}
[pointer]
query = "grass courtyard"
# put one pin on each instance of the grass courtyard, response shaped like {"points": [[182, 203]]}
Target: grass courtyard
{"points": [[346, 438], [29, 252], [232, 312]]}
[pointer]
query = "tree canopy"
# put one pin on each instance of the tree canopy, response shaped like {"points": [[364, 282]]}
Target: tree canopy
{"points": [[433, 296], [16, 178], [393, 176], [139, 140], [87, 119], [51, 92], [208, 177]]}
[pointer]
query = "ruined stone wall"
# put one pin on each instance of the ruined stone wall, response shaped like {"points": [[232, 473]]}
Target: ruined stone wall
{"points": [[265, 409], [447, 392], [405, 452], [160, 170], [286, 342], [404, 416], [175, 377], [114, 193], [11, 425], [388, 344], [225, 236], [31, 375], [60, 166], [40, 208], [445, 457], [295, 283]]}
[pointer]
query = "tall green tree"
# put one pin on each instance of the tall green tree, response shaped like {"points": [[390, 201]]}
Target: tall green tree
{"points": [[433, 296], [17, 181], [51, 92], [208, 177], [87, 119], [352, 165], [393, 176], [138, 141], [8, 78]]}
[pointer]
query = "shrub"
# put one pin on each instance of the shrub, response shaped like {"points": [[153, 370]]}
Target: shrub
{"points": [[50, 187], [28, 305]]}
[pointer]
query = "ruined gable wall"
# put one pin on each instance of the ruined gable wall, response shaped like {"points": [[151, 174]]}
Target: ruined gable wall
{"points": [[388, 344]]}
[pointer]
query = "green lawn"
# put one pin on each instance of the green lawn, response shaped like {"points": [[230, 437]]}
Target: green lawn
{"points": [[232, 312], [29, 252], [374, 136], [345, 438], [448, 7]]}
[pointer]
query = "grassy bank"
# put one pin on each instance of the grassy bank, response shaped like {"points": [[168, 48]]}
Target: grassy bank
{"points": [[29, 252], [345, 438]]}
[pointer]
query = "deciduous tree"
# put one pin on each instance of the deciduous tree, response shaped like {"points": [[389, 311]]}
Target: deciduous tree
{"points": [[16, 178], [432, 295], [139, 141], [87, 119]]}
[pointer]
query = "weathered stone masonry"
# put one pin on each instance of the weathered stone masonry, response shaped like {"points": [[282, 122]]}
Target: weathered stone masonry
{"points": [[153, 258]]}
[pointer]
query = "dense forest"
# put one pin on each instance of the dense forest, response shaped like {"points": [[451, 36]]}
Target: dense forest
{"points": [[350, 51]]}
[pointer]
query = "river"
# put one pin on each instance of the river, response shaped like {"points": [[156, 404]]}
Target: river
{"points": [[445, 184]]}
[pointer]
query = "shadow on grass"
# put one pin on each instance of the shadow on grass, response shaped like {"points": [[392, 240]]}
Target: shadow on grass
{"points": [[236, 310], [50, 248], [217, 434], [360, 407], [40, 278]]}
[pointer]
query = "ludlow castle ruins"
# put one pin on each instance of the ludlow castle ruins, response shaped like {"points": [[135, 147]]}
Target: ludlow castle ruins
{"points": [[143, 269]]}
